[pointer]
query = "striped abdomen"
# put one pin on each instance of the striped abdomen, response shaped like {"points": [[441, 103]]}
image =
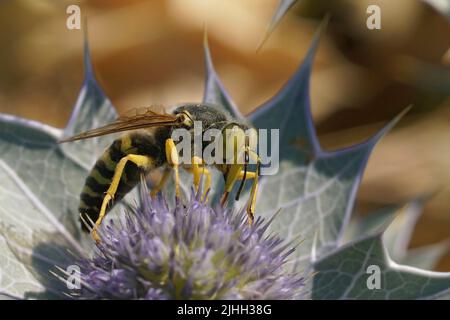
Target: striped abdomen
{"points": [[100, 177]]}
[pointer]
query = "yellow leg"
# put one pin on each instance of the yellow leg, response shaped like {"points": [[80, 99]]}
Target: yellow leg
{"points": [[249, 175], [232, 176], [141, 162], [197, 170], [240, 176], [252, 201], [161, 183], [174, 161]]}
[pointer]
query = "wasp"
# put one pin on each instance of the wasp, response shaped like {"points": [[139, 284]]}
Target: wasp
{"points": [[147, 145]]}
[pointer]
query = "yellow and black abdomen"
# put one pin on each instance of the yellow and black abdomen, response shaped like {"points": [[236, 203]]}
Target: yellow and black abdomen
{"points": [[101, 175]]}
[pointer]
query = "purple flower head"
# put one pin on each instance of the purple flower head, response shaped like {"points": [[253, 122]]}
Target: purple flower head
{"points": [[192, 251]]}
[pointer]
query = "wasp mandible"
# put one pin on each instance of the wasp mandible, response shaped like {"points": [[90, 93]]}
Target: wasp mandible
{"points": [[148, 145]]}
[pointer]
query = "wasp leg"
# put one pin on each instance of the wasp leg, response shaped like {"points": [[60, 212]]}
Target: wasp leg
{"points": [[232, 176], [240, 176], [141, 162], [174, 161], [198, 169], [161, 183], [235, 173], [195, 170], [252, 201], [249, 175]]}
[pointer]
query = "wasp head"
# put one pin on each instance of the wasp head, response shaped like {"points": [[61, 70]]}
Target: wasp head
{"points": [[239, 145]]}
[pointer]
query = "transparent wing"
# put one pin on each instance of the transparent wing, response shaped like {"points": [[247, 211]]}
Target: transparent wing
{"points": [[133, 119]]}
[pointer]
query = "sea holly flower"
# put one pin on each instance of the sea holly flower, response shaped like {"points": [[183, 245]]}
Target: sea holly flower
{"points": [[190, 251], [314, 188]]}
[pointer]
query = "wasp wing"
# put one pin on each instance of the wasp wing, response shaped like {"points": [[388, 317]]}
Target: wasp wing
{"points": [[133, 119]]}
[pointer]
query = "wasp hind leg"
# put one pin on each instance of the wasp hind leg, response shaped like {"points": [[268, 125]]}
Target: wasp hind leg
{"points": [[141, 162]]}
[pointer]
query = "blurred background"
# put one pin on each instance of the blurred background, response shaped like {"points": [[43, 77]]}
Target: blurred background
{"points": [[147, 52]]}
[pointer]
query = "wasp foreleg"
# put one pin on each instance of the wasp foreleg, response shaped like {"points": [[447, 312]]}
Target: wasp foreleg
{"points": [[235, 173], [249, 175], [141, 162], [252, 201], [231, 177]]}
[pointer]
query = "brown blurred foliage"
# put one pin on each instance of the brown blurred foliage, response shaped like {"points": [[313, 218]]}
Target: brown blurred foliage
{"points": [[147, 52]]}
